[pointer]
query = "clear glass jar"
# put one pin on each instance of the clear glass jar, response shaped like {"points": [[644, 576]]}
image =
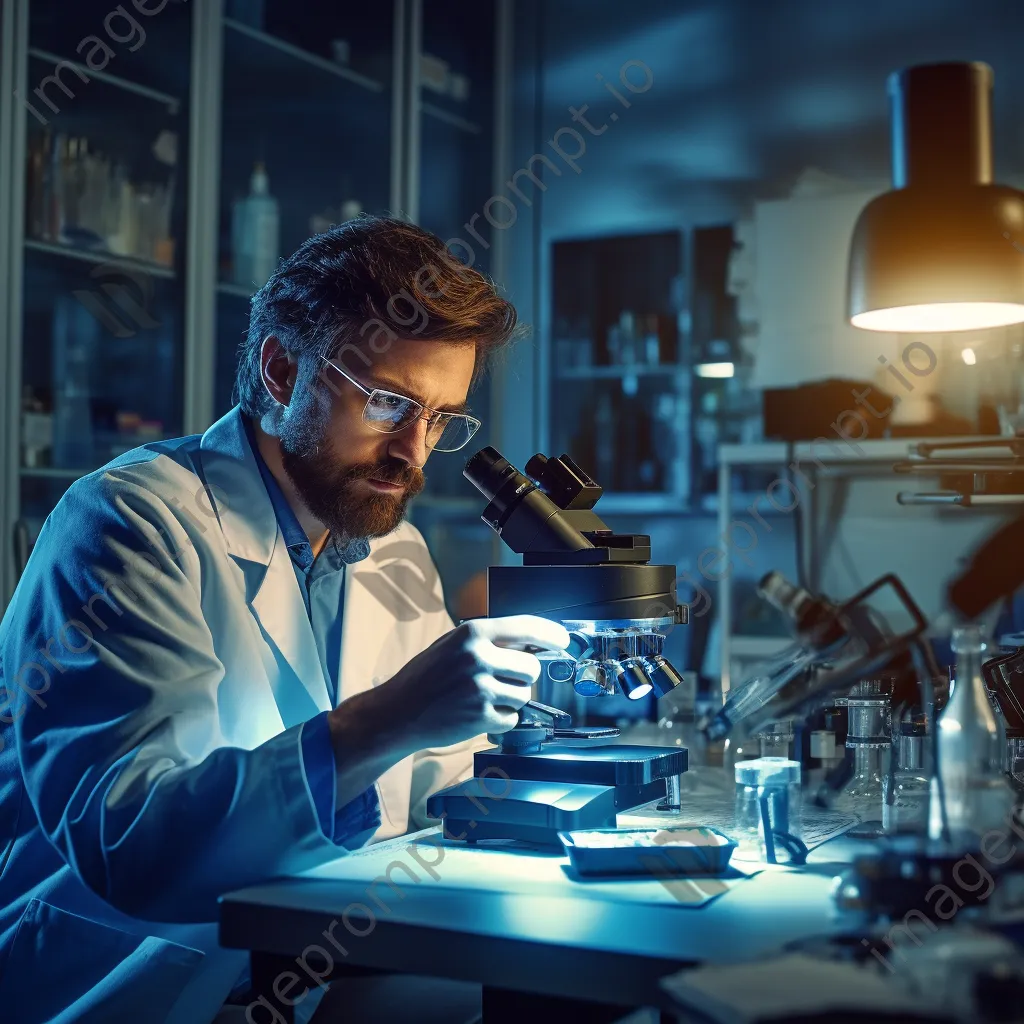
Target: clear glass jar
{"points": [[868, 737], [766, 787]]}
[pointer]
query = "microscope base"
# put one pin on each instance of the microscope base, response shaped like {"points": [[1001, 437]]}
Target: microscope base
{"points": [[533, 797], [530, 811]]}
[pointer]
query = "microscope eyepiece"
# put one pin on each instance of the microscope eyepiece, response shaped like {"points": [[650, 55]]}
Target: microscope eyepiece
{"points": [[576, 570], [488, 471], [519, 511]]}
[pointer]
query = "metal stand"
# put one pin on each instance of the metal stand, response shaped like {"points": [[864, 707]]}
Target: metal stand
{"points": [[672, 803]]}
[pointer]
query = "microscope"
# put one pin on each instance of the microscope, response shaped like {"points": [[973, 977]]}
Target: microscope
{"points": [[544, 775]]}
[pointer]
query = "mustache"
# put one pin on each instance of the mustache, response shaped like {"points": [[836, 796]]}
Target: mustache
{"points": [[394, 471]]}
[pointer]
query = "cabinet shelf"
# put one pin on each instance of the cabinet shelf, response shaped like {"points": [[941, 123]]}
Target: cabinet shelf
{"points": [[99, 256], [440, 114], [641, 503], [743, 500], [296, 52], [172, 103]]}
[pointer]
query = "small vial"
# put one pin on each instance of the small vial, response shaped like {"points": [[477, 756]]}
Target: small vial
{"points": [[766, 785]]}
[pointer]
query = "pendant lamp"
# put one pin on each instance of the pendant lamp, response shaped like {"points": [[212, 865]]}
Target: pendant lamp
{"points": [[944, 250]]}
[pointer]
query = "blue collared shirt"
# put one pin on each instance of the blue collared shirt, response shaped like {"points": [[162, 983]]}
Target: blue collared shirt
{"points": [[321, 581]]}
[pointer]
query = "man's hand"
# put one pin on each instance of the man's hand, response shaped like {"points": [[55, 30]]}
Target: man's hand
{"points": [[469, 681]]}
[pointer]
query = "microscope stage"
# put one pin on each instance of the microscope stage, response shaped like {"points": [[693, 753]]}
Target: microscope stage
{"points": [[613, 764]]}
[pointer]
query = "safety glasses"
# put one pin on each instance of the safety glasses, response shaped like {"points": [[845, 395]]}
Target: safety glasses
{"points": [[387, 412]]}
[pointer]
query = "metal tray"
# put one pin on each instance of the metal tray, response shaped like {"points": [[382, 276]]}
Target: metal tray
{"points": [[655, 859]]}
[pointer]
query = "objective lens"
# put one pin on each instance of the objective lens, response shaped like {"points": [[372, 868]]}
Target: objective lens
{"points": [[591, 679], [632, 679], [661, 673], [561, 671], [580, 645]]}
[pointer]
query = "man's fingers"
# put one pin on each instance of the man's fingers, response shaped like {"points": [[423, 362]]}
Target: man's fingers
{"points": [[522, 630], [516, 665], [508, 695], [500, 719]]}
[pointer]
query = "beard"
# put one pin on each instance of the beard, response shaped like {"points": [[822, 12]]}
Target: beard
{"points": [[331, 493]]}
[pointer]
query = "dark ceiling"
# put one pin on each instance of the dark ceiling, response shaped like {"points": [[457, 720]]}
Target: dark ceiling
{"points": [[746, 94]]}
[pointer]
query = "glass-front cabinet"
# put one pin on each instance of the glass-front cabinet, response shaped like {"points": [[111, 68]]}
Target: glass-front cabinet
{"points": [[647, 371], [98, 310], [455, 135], [166, 156], [726, 409], [306, 123]]}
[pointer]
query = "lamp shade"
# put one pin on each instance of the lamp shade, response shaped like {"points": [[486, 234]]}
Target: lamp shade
{"points": [[944, 250]]}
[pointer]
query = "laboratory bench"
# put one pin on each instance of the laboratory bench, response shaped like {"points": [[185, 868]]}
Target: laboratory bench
{"points": [[543, 943]]}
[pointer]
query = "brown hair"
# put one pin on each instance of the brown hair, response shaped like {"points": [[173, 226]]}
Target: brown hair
{"points": [[358, 287]]}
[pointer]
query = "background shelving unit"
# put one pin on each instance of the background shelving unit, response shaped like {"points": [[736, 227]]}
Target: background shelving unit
{"points": [[393, 107], [458, 100], [278, 78], [619, 395], [96, 247]]}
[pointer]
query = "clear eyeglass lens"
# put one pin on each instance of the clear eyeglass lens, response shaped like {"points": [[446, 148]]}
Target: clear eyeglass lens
{"points": [[447, 432], [385, 411], [452, 433]]}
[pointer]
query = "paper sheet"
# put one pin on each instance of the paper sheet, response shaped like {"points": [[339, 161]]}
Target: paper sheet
{"points": [[505, 867]]}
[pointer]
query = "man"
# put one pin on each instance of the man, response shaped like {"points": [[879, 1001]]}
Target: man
{"points": [[229, 659]]}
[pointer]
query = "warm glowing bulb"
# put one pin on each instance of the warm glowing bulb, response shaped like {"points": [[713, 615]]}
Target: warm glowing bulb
{"points": [[940, 317], [969, 357]]}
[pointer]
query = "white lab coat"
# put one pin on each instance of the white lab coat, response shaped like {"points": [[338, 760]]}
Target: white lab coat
{"points": [[151, 753]]}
